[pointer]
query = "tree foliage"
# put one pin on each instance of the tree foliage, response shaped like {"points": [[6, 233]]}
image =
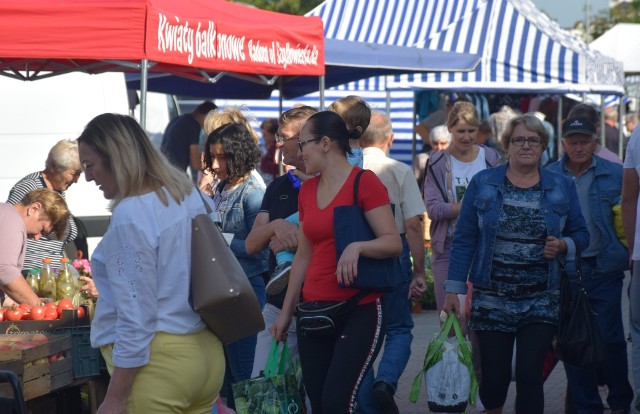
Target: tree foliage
{"points": [[298, 7], [624, 12]]}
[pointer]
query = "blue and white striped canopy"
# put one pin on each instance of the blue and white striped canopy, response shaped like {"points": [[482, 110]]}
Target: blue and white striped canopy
{"points": [[522, 49]]}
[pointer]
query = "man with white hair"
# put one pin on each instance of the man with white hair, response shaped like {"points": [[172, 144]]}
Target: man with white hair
{"points": [[440, 138], [409, 208]]}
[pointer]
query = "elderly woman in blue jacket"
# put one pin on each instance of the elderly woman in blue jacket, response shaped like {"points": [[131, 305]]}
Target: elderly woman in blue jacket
{"points": [[517, 224]]}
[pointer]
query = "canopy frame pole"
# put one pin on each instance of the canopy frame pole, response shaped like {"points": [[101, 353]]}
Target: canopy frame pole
{"points": [[144, 70], [621, 123], [280, 109], [602, 123], [387, 98], [559, 130], [321, 90], [413, 132]]}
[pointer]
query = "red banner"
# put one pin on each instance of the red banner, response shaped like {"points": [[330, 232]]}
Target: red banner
{"points": [[210, 34], [225, 36]]}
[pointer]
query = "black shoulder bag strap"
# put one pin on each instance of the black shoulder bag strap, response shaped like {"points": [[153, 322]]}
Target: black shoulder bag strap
{"points": [[356, 184]]}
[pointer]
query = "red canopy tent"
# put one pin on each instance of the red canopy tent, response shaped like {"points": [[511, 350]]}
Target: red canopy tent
{"points": [[42, 38]]}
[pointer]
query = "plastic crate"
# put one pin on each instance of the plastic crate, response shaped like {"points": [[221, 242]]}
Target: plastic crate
{"points": [[86, 360]]}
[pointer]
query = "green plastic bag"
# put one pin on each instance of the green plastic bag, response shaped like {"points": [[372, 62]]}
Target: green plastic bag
{"points": [[276, 391], [435, 350]]}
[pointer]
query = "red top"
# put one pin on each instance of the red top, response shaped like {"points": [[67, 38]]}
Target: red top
{"points": [[320, 281]]}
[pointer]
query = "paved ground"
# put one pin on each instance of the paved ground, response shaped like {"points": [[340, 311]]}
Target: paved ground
{"points": [[426, 325]]}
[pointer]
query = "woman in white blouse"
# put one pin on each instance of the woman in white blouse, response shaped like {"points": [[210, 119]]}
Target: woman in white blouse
{"points": [[160, 355]]}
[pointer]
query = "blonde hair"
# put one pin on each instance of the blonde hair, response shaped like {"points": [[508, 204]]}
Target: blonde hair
{"points": [[134, 161], [463, 111], [54, 208], [62, 157], [229, 115], [355, 112]]}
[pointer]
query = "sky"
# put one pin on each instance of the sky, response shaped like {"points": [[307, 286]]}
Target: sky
{"points": [[567, 12]]}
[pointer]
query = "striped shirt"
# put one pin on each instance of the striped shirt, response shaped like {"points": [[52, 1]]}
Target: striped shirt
{"points": [[46, 246]]}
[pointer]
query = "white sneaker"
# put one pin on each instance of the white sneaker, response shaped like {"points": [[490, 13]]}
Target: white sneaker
{"points": [[279, 279]]}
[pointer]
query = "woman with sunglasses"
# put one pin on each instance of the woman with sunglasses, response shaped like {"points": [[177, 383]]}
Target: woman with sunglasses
{"points": [[333, 365], [515, 222]]}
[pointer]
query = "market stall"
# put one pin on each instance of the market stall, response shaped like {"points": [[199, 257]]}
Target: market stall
{"points": [[345, 61], [522, 50], [48, 347], [45, 38]]}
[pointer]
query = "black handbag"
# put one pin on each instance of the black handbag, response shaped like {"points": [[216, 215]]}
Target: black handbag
{"points": [[321, 317], [350, 225], [578, 342]]}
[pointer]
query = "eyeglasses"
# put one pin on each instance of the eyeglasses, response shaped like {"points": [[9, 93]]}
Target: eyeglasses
{"points": [[532, 141], [301, 144], [281, 138]]}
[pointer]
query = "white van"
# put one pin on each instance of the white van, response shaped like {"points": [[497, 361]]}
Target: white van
{"points": [[35, 115]]}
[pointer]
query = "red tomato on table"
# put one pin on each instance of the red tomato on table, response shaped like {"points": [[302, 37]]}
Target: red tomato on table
{"points": [[13, 314], [80, 312], [64, 304], [50, 314], [37, 313]]}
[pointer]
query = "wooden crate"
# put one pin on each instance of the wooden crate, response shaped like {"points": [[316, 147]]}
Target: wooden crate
{"points": [[37, 375]]}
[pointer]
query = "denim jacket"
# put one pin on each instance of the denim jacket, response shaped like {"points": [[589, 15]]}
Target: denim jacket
{"points": [[604, 193], [477, 227], [237, 214]]}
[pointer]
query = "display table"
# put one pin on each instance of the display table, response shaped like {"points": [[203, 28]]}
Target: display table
{"points": [[69, 398]]}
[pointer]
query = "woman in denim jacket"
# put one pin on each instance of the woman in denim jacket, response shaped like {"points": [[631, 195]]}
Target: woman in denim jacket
{"points": [[515, 223], [232, 153]]}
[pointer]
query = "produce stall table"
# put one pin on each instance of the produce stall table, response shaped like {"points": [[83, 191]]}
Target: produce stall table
{"points": [[53, 361]]}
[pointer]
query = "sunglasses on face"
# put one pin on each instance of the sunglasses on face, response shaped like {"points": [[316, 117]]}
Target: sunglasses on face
{"points": [[301, 144]]}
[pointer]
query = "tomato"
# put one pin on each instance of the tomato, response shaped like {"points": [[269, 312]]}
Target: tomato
{"points": [[50, 314], [81, 312], [64, 304], [13, 314], [2, 311], [37, 313], [25, 307]]}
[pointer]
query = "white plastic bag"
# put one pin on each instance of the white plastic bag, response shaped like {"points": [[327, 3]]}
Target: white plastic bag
{"points": [[448, 382], [448, 372]]}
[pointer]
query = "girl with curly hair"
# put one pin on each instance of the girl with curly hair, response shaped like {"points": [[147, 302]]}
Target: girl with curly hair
{"points": [[231, 153]]}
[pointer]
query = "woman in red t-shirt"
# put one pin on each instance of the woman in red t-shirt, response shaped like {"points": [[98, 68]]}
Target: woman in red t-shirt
{"points": [[333, 366]]}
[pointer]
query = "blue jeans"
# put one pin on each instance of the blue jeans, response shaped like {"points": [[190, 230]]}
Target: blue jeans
{"points": [[397, 345], [605, 296], [239, 355]]}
